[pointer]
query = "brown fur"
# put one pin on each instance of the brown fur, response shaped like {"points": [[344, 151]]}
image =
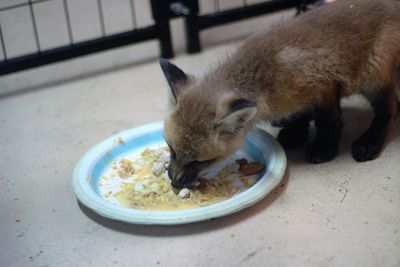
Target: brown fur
{"points": [[343, 48], [355, 43]]}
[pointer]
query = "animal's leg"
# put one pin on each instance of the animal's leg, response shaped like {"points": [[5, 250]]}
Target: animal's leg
{"points": [[295, 131], [368, 145], [328, 126]]}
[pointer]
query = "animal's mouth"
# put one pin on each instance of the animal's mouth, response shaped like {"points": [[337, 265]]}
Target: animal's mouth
{"points": [[184, 181], [181, 183], [187, 179]]}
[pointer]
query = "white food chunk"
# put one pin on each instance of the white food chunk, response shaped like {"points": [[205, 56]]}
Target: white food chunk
{"points": [[157, 168], [139, 187], [184, 193], [165, 157]]}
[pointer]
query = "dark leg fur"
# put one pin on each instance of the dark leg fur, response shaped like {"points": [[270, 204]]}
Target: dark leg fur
{"points": [[295, 132], [368, 145], [328, 125]]}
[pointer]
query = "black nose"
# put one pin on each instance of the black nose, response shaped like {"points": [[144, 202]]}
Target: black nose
{"points": [[178, 184], [183, 181]]}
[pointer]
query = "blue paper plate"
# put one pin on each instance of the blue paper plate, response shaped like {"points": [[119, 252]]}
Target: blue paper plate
{"points": [[259, 146]]}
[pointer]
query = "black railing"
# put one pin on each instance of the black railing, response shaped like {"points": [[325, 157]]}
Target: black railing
{"points": [[159, 30], [195, 23], [162, 12]]}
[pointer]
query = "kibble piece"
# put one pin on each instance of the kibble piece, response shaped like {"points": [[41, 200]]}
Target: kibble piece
{"points": [[251, 168]]}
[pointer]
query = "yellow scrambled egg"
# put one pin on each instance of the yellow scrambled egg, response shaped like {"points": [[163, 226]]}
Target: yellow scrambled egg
{"points": [[148, 186]]}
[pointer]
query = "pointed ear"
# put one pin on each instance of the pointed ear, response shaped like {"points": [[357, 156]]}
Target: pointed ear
{"points": [[238, 114], [175, 77]]}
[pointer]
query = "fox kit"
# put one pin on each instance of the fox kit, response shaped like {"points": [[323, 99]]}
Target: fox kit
{"points": [[294, 73]]}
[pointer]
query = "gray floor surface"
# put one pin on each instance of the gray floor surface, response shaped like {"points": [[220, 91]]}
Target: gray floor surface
{"points": [[340, 213]]}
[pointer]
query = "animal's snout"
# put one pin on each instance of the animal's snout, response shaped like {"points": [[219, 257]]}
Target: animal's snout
{"points": [[180, 179], [178, 184]]}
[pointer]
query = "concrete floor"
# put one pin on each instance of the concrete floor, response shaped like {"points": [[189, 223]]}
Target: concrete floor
{"points": [[340, 213]]}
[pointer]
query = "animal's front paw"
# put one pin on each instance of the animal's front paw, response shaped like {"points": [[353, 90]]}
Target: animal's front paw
{"points": [[364, 148], [319, 154], [291, 139]]}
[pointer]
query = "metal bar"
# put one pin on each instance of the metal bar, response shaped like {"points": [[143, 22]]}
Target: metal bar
{"points": [[101, 18], [3, 45], [68, 20], [78, 49], [35, 31], [21, 5], [231, 15], [160, 11], [195, 23], [133, 14], [192, 29]]}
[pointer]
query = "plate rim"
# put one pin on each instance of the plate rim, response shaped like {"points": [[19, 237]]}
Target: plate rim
{"points": [[245, 199]]}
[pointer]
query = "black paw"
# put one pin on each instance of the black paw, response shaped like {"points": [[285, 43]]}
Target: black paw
{"points": [[364, 149], [291, 139], [319, 154]]}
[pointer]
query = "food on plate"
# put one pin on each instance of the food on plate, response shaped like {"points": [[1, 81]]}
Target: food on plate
{"points": [[126, 169], [142, 182], [184, 193], [250, 168]]}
